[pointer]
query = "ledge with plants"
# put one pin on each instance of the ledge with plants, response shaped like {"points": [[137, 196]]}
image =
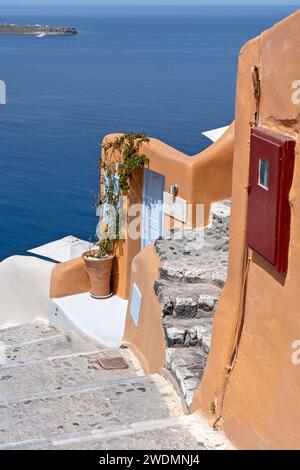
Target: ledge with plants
{"points": [[121, 158]]}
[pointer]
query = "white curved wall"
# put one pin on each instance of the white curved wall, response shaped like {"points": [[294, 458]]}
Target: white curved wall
{"points": [[24, 289]]}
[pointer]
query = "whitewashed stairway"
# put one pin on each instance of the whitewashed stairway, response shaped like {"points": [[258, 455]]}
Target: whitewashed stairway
{"points": [[55, 395]]}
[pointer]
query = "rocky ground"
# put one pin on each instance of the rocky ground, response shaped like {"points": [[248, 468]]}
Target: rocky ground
{"points": [[192, 274]]}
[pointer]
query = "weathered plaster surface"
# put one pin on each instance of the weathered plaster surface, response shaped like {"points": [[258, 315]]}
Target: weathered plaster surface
{"points": [[250, 377]]}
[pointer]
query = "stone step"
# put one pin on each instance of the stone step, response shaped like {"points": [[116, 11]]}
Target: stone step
{"points": [[27, 332], [187, 366], [182, 299], [220, 215], [55, 395], [178, 433], [183, 432], [193, 271], [188, 332], [214, 273], [188, 254], [114, 403], [61, 376], [40, 349], [200, 255]]}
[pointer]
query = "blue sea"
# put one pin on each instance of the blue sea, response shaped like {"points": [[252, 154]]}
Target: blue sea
{"points": [[169, 72]]}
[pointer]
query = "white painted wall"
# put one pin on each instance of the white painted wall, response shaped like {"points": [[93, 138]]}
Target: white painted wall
{"points": [[103, 320], [215, 134], [24, 289]]}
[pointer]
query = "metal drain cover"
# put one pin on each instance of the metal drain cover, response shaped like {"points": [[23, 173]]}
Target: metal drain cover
{"points": [[110, 363]]}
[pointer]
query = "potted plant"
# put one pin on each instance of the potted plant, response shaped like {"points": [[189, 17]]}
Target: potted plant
{"points": [[121, 157], [98, 265]]}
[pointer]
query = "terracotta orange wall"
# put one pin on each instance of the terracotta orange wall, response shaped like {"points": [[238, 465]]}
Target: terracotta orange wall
{"points": [[202, 179], [147, 338], [69, 278], [258, 403]]}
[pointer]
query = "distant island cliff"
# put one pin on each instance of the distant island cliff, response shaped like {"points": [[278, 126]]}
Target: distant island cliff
{"points": [[37, 30]]}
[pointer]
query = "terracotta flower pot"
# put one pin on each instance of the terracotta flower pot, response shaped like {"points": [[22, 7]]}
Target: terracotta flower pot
{"points": [[99, 272]]}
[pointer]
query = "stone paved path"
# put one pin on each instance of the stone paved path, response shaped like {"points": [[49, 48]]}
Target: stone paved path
{"points": [[192, 274], [55, 395]]}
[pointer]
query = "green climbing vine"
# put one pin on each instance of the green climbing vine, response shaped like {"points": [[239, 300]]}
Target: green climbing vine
{"points": [[120, 159], [126, 150]]}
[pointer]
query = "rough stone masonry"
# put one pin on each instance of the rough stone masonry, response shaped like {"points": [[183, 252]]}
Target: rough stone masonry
{"points": [[192, 275]]}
